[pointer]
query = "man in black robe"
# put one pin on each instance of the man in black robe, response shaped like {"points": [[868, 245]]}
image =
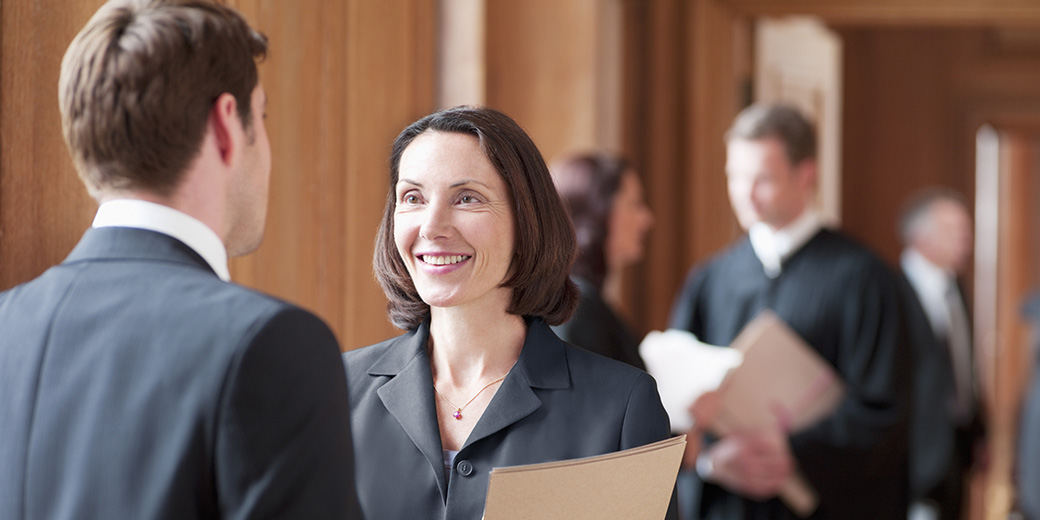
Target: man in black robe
{"points": [[840, 298]]}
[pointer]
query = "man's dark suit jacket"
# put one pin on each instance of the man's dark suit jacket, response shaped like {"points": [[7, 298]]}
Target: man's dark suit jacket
{"points": [[940, 448], [558, 402], [931, 426], [135, 384]]}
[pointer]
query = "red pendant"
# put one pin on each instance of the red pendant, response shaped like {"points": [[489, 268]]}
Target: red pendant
{"points": [[457, 414]]}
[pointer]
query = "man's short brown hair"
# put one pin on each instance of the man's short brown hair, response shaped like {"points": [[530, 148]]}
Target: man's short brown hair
{"points": [[138, 82], [779, 121], [545, 245]]}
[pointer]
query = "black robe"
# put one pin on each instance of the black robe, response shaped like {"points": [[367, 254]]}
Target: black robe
{"points": [[595, 327], [844, 302]]}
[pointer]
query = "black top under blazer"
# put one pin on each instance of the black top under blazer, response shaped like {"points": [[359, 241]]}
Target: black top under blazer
{"points": [[557, 402], [594, 326], [135, 384]]}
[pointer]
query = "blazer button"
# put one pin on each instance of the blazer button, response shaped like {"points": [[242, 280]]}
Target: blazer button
{"points": [[464, 468]]}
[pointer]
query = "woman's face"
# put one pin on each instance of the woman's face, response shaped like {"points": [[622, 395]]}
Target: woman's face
{"points": [[630, 219], [453, 222]]}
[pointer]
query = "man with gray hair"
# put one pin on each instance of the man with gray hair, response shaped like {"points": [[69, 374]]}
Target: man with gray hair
{"points": [[945, 430]]}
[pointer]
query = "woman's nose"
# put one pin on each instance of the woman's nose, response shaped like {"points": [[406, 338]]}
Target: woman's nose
{"points": [[436, 222]]}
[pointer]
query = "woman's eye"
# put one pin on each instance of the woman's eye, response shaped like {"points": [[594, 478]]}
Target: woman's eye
{"points": [[410, 198], [468, 199]]}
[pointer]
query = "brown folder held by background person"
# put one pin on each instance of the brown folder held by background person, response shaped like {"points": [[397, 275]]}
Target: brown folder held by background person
{"points": [[634, 484], [781, 382]]}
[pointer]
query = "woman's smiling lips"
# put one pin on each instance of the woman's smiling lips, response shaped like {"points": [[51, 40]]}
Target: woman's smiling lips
{"points": [[440, 263]]}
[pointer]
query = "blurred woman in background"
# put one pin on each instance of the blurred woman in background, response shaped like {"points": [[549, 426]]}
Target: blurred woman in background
{"points": [[604, 198]]}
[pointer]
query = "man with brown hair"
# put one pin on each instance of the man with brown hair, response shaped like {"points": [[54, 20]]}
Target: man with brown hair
{"points": [[135, 381], [840, 298]]}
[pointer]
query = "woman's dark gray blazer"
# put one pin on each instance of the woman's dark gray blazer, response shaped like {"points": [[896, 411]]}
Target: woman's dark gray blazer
{"points": [[558, 402]]}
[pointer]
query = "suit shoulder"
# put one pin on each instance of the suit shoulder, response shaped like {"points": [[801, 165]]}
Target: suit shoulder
{"points": [[846, 244], [229, 308], [734, 255], [361, 359], [368, 354], [834, 246], [228, 298]]}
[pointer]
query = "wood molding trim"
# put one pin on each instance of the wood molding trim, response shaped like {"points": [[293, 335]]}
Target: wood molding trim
{"points": [[898, 12]]}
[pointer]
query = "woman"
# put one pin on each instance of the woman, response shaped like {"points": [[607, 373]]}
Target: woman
{"points": [[604, 198], [473, 253]]}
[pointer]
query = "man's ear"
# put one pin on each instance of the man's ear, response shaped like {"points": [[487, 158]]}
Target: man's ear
{"points": [[226, 126], [808, 172]]}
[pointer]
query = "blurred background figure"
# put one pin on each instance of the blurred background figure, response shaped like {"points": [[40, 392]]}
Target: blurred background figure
{"points": [[604, 197], [840, 298], [936, 229], [1028, 474]]}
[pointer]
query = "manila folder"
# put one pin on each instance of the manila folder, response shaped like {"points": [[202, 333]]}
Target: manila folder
{"points": [[782, 382], [633, 484]]}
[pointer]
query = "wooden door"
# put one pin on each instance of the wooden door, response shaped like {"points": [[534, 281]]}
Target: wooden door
{"points": [[1006, 258]]}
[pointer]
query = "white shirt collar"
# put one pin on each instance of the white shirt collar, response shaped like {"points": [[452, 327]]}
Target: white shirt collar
{"points": [[931, 283], [141, 214], [773, 247]]}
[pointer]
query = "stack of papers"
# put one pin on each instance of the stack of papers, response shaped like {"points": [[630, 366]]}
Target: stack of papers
{"points": [[685, 368], [634, 484], [779, 381]]}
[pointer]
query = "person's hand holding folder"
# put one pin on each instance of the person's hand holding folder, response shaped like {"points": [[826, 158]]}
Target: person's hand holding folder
{"points": [[756, 464], [774, 385], [781, 386]]}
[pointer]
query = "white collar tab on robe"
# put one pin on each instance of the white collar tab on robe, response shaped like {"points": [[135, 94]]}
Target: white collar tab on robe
{"points": [[774, 247]]}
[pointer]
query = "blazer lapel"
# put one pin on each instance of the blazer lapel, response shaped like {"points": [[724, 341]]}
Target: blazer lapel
{"points": [[542, 364], [408, 364]]}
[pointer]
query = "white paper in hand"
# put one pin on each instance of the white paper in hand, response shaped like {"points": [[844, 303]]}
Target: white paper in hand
{"points": [[684, 368]]}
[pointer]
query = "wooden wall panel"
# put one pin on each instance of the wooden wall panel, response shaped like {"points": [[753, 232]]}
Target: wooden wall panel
{"points": [[44, 208], [914, 99], [391, 84], [901, 131], [343, 79], [686, 89], [717, 76], [542, 70], [654, 141]]}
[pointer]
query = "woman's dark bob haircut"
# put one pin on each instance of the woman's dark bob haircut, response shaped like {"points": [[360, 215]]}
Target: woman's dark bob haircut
{"points": [[545, 244]]}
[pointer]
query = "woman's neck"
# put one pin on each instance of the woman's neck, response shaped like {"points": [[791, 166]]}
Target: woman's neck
{"points": [[468, 347]]}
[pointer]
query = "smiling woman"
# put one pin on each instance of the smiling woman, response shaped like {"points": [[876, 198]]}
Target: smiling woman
{"points": [[453, 224], [474, 253]]}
